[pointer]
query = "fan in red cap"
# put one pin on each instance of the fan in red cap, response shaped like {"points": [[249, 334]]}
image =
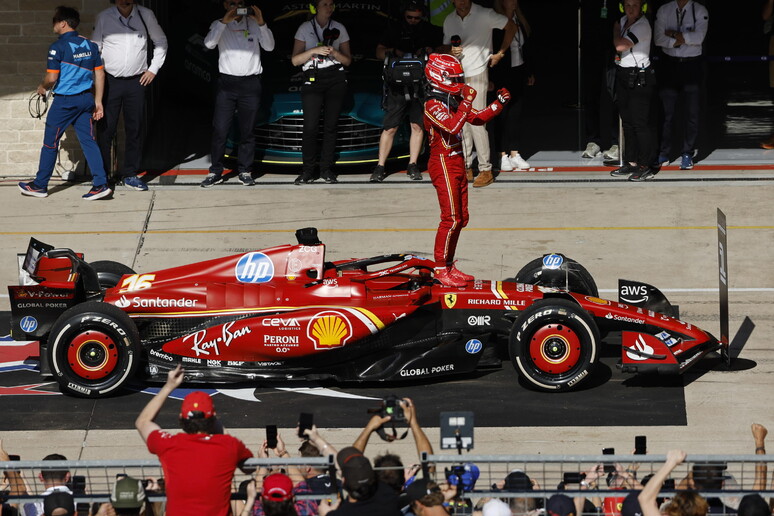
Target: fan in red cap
{"points": [[197, 404], [277, 488], [448, 107]]}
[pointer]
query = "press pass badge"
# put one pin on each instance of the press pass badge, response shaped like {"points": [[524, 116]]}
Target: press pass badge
{"points": [[603, 13]]}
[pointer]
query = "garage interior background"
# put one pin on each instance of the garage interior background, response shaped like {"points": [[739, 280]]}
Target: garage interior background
{"points": [[737, 106]]}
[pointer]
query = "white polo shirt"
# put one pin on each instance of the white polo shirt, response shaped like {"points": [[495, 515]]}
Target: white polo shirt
{"points": [[123, 42], [692, 21], [239, 43], [638, 56], [311, 34], [475, 31]]}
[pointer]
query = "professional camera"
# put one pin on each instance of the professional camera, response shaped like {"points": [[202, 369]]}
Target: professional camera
{"points": [[391, 407]]}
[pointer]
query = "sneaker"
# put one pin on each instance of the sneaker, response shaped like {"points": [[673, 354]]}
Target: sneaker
{"points": [[624, 170], [135, 183], [592, 151], [413, 172], [303, 179], [611, 153], [445, 278], [518, 162], [212, 179], [686, 162], [378, 175], [32, 190], [663, 159], [505, 163], [246, 179], [642, 173], [97, 192], [330, 179], [454, 271]]}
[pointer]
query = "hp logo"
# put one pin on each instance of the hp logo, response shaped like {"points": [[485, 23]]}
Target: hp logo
{"points": [[28, 324], [552, 261], [254, 268], [473, 346]]}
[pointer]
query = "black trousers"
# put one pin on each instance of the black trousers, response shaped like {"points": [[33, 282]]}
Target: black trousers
{"points": [[241, 95], [594, 97], [676, 78], [322, 97], [635, 104], [507, 123], [125, 94]]}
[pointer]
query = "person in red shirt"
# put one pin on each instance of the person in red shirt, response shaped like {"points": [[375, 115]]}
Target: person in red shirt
{"points": [[199, 463], [448, 105]]}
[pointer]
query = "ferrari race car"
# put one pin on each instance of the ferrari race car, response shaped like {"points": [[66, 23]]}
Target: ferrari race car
{"points": [[286, 313]]}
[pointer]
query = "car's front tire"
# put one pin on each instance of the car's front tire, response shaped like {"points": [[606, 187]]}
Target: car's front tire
{"points": [[93, 350], [554, 344]]}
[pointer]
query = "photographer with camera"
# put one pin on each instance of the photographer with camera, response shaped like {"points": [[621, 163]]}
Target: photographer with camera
{"points": [[239, 35], [414, 38], [634, 87]]}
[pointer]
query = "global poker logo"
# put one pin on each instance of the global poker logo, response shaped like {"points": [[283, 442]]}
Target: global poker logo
{"points": [[254, 268]]}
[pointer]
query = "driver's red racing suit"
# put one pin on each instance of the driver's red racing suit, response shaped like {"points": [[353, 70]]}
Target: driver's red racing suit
{"points": [[444, 117]]}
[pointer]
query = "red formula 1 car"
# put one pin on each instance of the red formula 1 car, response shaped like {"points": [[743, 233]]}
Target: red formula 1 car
{"points": [[287, 313]]}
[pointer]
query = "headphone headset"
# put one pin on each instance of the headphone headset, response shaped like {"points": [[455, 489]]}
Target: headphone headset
{"points": [[644, 6], [313, 9]]}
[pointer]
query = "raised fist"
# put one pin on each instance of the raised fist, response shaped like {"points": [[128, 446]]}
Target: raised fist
{"points": [[468, 93], [504, 96]]}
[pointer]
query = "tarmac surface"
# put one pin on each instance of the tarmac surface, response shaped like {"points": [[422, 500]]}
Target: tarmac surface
{"points": [[662, 232]]}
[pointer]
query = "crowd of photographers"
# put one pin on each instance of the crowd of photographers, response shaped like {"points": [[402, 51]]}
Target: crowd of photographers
{"points": [[199, 464]]}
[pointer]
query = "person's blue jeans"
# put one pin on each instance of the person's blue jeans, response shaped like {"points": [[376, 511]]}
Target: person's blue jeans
{"points": [[67, 110]]}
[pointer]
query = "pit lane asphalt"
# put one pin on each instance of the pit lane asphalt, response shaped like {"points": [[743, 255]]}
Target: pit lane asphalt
{"points": [[662, 232]]}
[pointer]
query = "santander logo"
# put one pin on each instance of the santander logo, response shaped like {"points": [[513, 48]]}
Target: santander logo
{"points": [[640, 346], [122, 302]]}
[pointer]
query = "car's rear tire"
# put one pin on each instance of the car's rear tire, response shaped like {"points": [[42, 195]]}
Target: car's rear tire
{"points": [[110, 272], [579, 279], [93, 350], [554, 345]]}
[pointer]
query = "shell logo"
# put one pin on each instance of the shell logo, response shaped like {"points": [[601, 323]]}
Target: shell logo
{"points": [[329, 330]]}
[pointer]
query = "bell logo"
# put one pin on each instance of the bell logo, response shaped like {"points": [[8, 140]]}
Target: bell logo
{"points": [[329, 330], [450, 300], [122, 302]]}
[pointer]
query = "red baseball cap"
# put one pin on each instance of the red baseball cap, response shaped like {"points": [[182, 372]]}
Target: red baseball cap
{"points": [[197, 401], [277, 488]]}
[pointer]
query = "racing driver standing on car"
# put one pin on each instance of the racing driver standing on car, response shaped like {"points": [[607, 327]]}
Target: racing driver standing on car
{"points": [[448, 105]]}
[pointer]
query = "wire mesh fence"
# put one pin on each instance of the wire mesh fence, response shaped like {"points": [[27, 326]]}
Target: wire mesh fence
{"points": [[726, 478]]}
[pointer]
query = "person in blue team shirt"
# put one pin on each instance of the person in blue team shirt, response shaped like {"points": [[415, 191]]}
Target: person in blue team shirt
{"points": [[74, 67]]}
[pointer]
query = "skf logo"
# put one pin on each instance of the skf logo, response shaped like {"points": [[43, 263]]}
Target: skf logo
{"points": [[254, 268], [450, 300], [329, 330]]}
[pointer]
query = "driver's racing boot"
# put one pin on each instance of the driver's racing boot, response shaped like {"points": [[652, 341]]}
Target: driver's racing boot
{"points": [[444, 277], [454, 271]]}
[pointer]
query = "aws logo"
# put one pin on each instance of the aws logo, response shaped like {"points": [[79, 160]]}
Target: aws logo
{"points": [[329, 330]]}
